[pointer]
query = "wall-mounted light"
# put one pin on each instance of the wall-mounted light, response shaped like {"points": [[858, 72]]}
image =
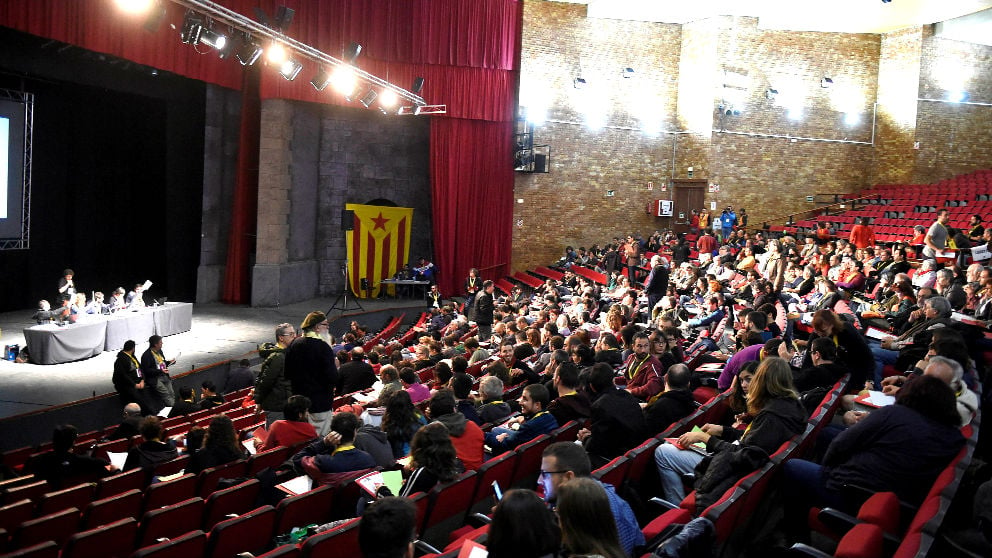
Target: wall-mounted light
{"points": [[578, 83], [627, 73], [826, 82]]}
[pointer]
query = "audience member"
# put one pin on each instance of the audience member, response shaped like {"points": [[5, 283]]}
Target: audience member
{"points": [[311, 370], [294, 429], [185, 404], [239, 378], [272, 387], [220, 446], [466, 436], [152, 450], [522, 527], [334, 457], [533, 421], [388, 529], [209, 398], [62, 467]]}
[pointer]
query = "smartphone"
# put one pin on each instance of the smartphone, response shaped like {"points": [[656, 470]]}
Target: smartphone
{"points": [[497, 491]]}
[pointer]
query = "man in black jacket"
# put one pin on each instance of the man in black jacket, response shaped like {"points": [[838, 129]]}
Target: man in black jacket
{"points": [[656, 285], [311, 370], [127, 378], [484, 307], [673, 404], [155, 369], [617, 421]]}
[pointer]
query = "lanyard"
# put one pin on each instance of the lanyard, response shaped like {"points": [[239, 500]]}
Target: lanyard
{"points": [[630, 375]]}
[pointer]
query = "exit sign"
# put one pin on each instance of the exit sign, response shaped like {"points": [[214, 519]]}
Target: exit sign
{"points": [[809, 198]]}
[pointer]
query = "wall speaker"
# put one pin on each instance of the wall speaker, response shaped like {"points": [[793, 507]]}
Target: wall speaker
{"points": [[540, 162], [347, 219]]}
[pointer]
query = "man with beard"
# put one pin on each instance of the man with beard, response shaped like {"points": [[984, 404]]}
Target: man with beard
{"points": [[311, 370]]}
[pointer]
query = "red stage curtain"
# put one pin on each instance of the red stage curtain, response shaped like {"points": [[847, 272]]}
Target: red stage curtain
{"points": [[472, 192], [244, 210]]}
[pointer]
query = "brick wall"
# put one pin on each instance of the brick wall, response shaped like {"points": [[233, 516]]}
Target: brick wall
{"points": [[954, 138]]}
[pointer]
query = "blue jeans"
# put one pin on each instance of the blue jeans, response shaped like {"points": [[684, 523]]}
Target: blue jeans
{"points": [[672, 463], [882, 357]]}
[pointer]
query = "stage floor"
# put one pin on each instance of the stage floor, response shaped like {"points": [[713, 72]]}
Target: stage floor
{"points": [[219, 333]]}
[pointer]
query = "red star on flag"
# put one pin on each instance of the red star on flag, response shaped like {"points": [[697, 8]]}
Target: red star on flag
{"points": [[380, 222]]}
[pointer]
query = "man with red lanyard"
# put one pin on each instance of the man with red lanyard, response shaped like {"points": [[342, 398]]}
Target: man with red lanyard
{"points": [[642, 371]]}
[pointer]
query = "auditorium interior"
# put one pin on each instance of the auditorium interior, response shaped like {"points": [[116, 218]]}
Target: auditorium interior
{"points": [[521, 127]]}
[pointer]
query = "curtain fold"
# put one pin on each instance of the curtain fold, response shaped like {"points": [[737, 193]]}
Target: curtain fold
{"points": [[472, 198], [244, 206]]}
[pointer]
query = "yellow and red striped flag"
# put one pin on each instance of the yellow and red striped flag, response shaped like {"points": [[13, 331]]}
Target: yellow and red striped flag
{"points": [[378, 245]]}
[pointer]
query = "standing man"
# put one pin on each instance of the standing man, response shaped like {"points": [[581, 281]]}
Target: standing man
{"points": [[473, 284], [484, 307], [155, 369], [311, 370], [67, 289], [936, 238], [656, 285], [272, 388], [128, 380], [633, 252]]}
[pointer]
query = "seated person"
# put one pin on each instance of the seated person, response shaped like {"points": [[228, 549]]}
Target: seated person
{"points": [[294, 429], [186, 403], [330, 459], [672, 404], [135, 298], [61, 467], [899, 448], [44, 313], [131, 425], [533, 422], [220, 446], [209, 398], [466, 436], [388, 528], [152, 450], [492, 409], [117, 301]]}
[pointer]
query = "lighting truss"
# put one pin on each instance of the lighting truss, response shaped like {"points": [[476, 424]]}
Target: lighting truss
{"points": [[259, 32]]}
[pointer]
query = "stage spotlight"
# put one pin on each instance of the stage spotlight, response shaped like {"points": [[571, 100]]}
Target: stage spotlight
{"points": [[351, 53], [369, 98], [418, 84], [852, 118], [134, 6], [284, 16], [276, 53], [578, 83], [826, 82], [388, 100], [213, 39], [290, 69], [320, 81], [248, 53], [155, 16], [627, 73], [192, 29], [344, 80]]}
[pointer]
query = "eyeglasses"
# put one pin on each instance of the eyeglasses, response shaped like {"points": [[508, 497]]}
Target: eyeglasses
{"points": [[546, 474]]}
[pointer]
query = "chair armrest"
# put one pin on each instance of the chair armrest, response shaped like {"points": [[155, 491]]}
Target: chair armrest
{"points": [[800, 549], [422, 547], [663, 503]]}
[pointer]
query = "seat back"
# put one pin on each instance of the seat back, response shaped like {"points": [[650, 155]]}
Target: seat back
{"points": [[15, 513], [32, 491], [613, 472], [566, 432], [303, 509], [193, 543], [268, 458], [640, 457], [234, 500], [171, 467], [109, 510], [529, 461], [56, 527], [47, 549], [160, 494], [251, 532], [284, 551], [340, 542], [119, 483], [498, 469], [448, 500], [208, 478], [73, 497], [114, 540], [171, 521]]}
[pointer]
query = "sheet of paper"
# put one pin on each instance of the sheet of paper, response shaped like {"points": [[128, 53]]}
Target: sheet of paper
{"points": [[880, 399], [249, 445], [472, 549], [297, 485], [117, 459], [164, 413], [875, 333]]}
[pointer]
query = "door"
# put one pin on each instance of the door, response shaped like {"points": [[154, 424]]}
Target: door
{"points": [[688, 195]]}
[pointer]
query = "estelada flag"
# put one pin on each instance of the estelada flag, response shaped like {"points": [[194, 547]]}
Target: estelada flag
{"points": [[378, 245]]}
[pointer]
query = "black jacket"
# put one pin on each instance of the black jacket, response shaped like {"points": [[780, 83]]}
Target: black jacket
{"points": [[617, 424], [781, 419], [484, 307], [311, 370], [671, 406], [148, 454]]}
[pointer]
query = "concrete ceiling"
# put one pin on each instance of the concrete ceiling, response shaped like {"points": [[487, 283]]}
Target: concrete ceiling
{"points": [[845, 16]]}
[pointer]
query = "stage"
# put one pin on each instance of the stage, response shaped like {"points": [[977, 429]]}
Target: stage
{"points": [[219, 333]]}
